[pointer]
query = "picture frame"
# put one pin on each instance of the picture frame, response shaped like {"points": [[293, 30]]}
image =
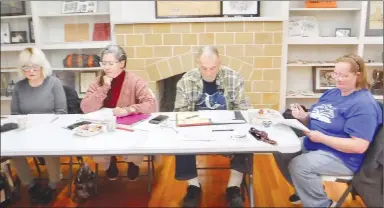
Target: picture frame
{"points": [[12, 8], [343, 32], [31, 31], [5, 33], [375, 20], [78, 7], [241, 8], [86, 79], [187, 9], [322, 78], [19, 37]]}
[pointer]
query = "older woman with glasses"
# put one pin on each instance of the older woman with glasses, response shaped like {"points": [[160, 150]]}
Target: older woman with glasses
{"points": [[37, 93], [123, 91], [342, 125]]}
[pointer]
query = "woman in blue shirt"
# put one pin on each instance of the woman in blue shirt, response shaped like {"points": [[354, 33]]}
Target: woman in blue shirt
{"points": [[342, 124]]}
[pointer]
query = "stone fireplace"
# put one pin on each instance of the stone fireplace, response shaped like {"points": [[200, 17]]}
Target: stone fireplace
{"points": [[161, 52]]}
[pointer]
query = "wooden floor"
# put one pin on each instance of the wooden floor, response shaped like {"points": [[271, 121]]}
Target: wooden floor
{"points": [[271, 190]]}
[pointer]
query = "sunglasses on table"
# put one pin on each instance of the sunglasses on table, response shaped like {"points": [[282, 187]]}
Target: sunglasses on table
{"points": [[261, 136]]}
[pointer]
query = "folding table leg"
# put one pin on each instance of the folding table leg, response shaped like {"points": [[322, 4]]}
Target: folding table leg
{"points": [[70, 178], [250, 173]]}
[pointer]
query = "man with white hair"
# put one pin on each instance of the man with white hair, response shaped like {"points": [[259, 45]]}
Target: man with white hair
{"points": [[210, 87]]}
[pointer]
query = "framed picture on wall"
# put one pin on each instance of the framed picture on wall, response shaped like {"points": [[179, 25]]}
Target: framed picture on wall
{"points": [[19, 37], [183, 9], [375, 20], [241, 8], [322, 79], [12, 8]]}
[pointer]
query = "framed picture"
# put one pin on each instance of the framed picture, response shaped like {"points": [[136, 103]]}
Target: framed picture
{"points": [[374, 24], [19, 37], [343, 32], [12, 8], [86, 79], [5, 33], [241, 8], [183, 9], [31, 31], [322, 79], [66, 77]]}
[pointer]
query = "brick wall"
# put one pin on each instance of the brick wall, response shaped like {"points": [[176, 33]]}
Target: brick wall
{"points": [[161, 50]]}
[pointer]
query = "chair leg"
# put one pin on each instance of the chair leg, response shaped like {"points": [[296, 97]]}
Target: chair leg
{"points": [[153, 166], [97, 178], [344, 196], [149, 173], [37, 166]]}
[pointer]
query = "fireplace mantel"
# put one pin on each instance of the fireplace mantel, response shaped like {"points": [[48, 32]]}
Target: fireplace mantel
{"points": [[206, 19]]}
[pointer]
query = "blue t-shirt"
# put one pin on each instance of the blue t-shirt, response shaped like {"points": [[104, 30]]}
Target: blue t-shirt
{"points": [[356, 115], [212, 98]]}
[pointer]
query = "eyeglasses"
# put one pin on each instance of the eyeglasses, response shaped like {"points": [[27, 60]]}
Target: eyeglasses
{"points": [[109, 63], [339, 76], [261, 136], [31, 68]]}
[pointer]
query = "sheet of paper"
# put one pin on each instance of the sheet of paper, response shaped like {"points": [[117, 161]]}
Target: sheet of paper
{"points": [[98, 116], [294, 123], [218, 116]]}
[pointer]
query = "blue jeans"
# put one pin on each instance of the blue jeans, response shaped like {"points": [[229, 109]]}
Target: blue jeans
{"points": [[303, 171]]}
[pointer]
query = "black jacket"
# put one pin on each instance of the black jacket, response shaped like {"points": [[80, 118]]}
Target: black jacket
{"points": [[368, 181]]}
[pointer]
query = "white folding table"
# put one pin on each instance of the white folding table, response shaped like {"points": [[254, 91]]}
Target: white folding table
{"points": [[52, 139]]}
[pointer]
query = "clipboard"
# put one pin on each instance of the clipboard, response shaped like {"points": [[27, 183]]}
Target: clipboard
{"points": [[185, 119]]}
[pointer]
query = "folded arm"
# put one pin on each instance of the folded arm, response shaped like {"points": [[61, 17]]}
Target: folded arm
{"points": [[94, 100]]}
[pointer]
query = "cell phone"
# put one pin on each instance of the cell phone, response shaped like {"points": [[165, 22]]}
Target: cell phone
{"points": [[158, 119], [72, 126]]}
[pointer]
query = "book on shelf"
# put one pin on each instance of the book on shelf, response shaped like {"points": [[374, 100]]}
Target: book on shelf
{"points": [[101, 32]]}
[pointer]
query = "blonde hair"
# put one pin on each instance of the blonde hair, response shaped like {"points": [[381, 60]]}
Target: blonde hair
{"points": [[357, 65], [37, 57]]}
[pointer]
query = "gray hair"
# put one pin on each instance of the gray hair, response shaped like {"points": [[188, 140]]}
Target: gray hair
{"points": [[117, 51], [208, 51]]}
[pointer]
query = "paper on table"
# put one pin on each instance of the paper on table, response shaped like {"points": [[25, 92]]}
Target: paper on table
{"points": [[98, 116], [294, 123], [220, 116]]}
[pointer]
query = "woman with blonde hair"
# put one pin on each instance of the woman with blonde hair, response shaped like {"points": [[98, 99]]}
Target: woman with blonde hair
{"points": [[342, 125], [123, 91], [37, 93]]}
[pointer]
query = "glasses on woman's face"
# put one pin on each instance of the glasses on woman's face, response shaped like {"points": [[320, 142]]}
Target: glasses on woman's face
{"points": [[108, 63], [340, 77], [28, 68]]}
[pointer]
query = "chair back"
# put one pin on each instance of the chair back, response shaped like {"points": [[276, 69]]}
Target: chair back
{"points": [[73, 100]]}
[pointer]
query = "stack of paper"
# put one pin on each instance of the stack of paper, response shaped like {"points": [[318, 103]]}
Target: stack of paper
{"points": [[294, 123], [220, 116]]}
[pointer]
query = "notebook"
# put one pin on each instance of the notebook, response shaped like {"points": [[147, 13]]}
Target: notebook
{"points": [[132, 119]]}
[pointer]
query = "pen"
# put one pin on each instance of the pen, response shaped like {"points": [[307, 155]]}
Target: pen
{"points": [[125, 129], [191, 117], [54, 119], [222, 130]]}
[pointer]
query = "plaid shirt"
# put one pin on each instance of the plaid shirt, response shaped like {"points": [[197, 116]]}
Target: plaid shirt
{"points": [[190, 89]]}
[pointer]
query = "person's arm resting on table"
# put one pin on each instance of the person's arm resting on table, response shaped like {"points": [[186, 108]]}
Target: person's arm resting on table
{"points": [[147, 102], [94, 98]]}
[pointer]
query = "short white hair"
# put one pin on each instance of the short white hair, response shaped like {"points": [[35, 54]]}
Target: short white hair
{"points": [[209, 51], [37, 57]]}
